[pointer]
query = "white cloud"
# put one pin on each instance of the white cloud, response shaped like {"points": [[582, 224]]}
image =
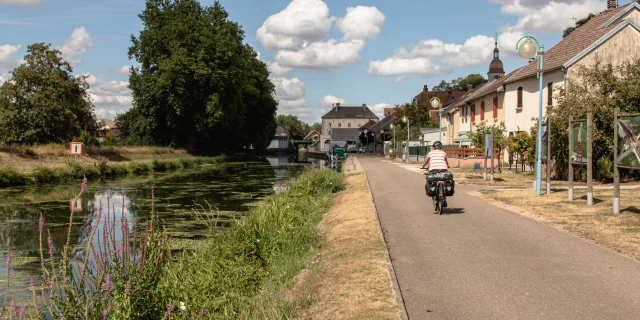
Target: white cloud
{"points": [[330, 100], [6, 55], [102, 113], [475, 50], [104, 92], [321, 55], [277, 70], [299, 34], [405, 66], [78, 43], [290, 96], [22, 3], [361, 23], [301, 22], [124, 70], [547, 15], [3, 78], [378, 109]]}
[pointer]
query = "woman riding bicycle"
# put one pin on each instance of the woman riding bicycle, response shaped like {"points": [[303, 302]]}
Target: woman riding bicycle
{"points": [[436, 161]]}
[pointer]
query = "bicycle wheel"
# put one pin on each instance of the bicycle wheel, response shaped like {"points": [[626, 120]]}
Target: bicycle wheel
{"points": [[441, 200]]}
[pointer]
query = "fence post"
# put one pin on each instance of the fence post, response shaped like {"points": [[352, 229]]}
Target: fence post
{"points": [[548, 154], [589, 159], [616, 172], [570, 163]]}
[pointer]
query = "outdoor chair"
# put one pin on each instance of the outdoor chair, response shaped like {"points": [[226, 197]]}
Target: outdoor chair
{"points": [[475, 170]]}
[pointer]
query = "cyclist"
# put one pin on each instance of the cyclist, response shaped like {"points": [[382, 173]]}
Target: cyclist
{"points": [[436, 161]]}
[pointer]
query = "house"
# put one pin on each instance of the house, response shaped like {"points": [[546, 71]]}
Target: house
{"points": [[280, 140], [107, 128], [390, 111], [612, 36], [423, 99], [312, 135], [343, 123]]}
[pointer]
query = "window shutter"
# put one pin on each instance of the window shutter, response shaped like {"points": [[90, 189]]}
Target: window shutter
{"points": [[495, 107], [482, 110], [473, 113], [520, 97], [550, 94]]}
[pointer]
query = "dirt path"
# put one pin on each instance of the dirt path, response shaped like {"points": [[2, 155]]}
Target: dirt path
{"points": [[349, 278]]}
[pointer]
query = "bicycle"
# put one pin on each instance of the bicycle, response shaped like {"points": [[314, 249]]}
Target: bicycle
{"points": [[440, 196]]}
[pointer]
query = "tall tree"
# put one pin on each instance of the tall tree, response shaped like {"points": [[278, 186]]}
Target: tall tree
{"points": [[317, 127], [198, 85], [460, 84], [294, 127], [442, 86], [43, 102], [419, 117]]}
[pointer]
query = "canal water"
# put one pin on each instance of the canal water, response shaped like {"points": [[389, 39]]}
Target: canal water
{"points": [[231, 187]]}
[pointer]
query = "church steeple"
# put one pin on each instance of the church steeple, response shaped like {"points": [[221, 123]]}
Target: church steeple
{"points": [[496, 68]]}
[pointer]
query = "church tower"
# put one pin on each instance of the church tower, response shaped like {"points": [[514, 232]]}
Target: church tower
{"points": [[496, 69]]}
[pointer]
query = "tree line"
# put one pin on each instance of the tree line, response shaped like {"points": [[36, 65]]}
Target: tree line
{"points": [[198, 86]]}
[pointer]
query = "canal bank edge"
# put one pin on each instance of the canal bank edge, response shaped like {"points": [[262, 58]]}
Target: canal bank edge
{"points": [[349, 276], [395, 286]]}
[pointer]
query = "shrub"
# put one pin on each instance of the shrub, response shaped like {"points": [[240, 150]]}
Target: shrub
{"points": [[138, 167], [159, 165], [43, 175], [184, 163], [9, 177]]}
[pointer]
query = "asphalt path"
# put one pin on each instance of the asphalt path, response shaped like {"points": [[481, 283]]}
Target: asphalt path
{"points": [[478, 261]]}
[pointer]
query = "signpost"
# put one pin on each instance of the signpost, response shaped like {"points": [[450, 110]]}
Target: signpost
{"points": [[488, 152], [546, 151], [626, 146], [580, 150], [75, 149]]}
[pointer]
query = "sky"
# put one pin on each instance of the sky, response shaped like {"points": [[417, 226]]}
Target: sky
{"points": [[375, 52]]}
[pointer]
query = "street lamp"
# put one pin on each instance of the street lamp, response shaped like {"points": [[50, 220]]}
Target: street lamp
{"points": [[528, 50], [406, 120], [435, 102], [366, 137], [394, 136]]}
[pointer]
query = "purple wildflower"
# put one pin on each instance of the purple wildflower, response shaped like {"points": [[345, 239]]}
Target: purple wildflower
{"points": [[40, 224], [12, 305], [118, 248], [32, 283], [89, 228], [8, 267], [50, 244], [49, 282], [107, 284], [21, 313], [168, 313], [83, 186], [78, 255], [201, 313], [128, 287]]}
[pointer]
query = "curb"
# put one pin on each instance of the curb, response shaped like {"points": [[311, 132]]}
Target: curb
{"points": [[395, 286]]}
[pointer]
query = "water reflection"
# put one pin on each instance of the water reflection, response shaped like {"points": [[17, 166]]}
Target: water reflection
{"points": [[232, 188]]}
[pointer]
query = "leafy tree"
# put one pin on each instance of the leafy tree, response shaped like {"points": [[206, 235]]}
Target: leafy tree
{"points": [[294, 127], [524, 145], [43, 102], [598, 89], [500, 139], [198, 85], [460, 84], [579, 24], [317, 127], [419, 117]]}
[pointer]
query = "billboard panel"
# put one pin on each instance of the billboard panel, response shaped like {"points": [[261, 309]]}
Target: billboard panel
{"points": [[578, 146], [628, 143], [488, 145]]}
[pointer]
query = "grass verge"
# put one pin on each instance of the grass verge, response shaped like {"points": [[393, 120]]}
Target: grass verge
{"points": [[596, 223], [348, 277], [243, 272]]}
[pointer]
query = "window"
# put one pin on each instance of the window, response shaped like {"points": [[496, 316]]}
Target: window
{"points": [[495, 107], [339, 125], [550, 94], [349, 125], [473, 113], [519, 97], [482, 110]]}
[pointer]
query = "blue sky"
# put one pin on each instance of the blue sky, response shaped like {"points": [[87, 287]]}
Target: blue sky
{"points": [[377, 52]]}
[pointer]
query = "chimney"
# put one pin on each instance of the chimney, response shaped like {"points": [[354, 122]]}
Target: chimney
{"points": [[425, 88], [364, 106], [337, 105], [612, 4]]}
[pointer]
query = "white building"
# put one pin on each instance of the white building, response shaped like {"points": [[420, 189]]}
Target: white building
{"points": [[342, 123]]}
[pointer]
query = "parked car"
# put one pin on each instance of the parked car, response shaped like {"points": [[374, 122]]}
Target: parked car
{"points": [[353, 150]]}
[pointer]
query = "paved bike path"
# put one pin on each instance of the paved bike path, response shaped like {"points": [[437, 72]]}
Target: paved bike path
{"points": [[483, 262]]}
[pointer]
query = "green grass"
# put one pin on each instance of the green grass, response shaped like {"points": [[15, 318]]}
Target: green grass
{"points": [[241, 273], [73, 170]]}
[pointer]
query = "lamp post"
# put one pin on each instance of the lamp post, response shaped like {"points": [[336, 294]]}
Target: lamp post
{"points": [[406, 120], [366, 137], [394, 136], [383, 138], [435, 102], [529, 50]]}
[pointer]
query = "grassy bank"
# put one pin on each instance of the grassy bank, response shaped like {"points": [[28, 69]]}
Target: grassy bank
{"points": [[244, 271], [51, 164]]}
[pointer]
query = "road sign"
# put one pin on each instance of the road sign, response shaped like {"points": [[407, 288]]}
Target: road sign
{"points": [[76, 205], [75, 149], [488, 145]]}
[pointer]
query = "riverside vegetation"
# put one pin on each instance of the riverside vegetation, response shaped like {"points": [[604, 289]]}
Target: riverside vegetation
{"points": [[238, 272]]}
